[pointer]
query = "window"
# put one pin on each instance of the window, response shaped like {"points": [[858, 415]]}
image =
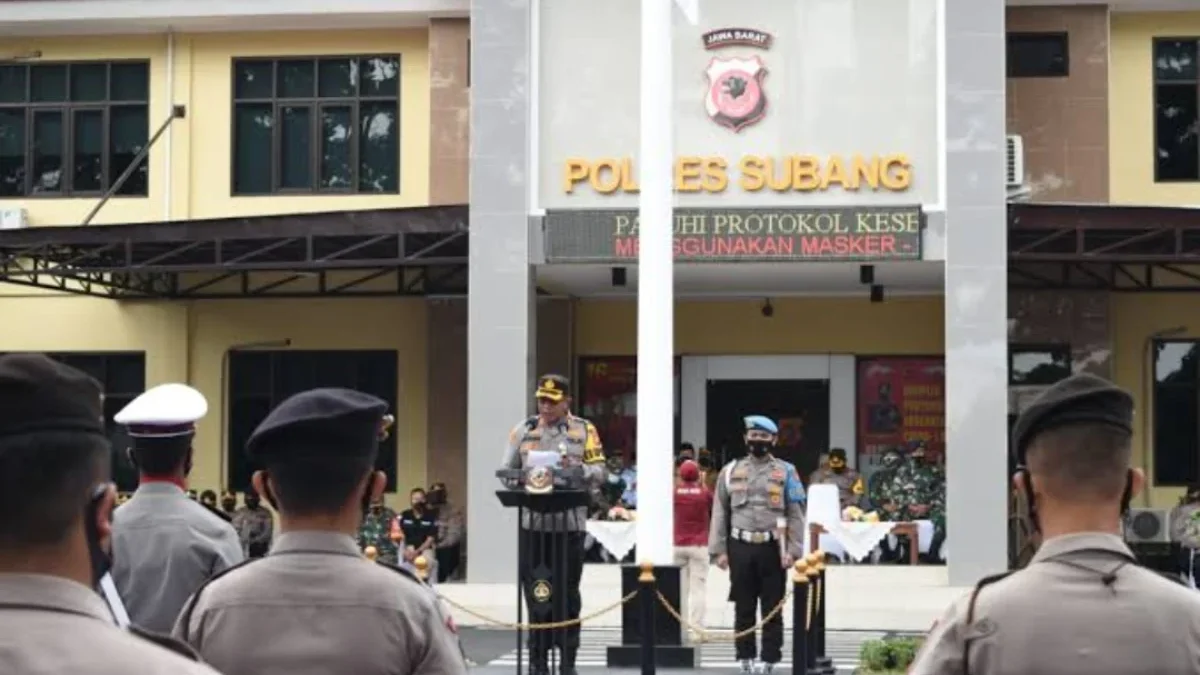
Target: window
{"points": [[123, 378], [260, 380], [316, 125], [1176, 110], [1038, 55], [1175, 412], [1030, 365], [69, 129]]}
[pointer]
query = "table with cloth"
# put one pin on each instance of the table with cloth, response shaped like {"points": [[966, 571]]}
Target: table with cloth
{"points": [[857, 540]]}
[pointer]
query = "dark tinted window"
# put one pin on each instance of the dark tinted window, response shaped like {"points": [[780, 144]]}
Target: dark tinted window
{"points": [[1038, 55], [261, 380], [1176, 109], [1176, 413]]}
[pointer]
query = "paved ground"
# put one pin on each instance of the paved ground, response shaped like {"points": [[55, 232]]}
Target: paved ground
{"points": [[494, 651]]}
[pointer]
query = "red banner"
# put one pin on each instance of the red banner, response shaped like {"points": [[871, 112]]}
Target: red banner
{"points": [[608, 397], [901, 400]]}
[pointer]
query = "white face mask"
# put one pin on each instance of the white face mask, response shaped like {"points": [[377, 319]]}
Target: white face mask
{"points": [[614, 479]]}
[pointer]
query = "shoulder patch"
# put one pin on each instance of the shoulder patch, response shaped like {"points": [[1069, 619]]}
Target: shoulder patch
{"points": [[190, 606], [166, 642]]}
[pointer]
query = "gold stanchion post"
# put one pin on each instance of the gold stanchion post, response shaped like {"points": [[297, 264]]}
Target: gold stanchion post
{"points": [[800, 617]]}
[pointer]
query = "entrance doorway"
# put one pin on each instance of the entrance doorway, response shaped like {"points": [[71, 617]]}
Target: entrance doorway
{"points": [[799, 407]]}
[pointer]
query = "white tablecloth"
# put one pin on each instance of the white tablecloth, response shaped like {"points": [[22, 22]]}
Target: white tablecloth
{"points": [[924, 536], [618, 537], [858, 540]]}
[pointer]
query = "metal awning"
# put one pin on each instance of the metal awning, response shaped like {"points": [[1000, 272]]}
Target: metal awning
{"points": [[414, 251], [1103, 247]]}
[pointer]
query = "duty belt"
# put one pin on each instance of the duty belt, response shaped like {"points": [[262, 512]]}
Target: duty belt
{"points": [[751, 537]]}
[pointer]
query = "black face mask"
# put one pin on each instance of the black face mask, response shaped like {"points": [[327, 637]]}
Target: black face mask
{"points": [[758, 448], [100, 560], [437, 498], [229, 505], [252, 502]]}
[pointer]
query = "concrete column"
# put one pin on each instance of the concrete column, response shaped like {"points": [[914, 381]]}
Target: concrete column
{"points": [[976, 291], [501, 315]]}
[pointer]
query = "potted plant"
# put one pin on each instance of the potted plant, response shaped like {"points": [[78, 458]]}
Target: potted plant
{"points": [[889, 656]]}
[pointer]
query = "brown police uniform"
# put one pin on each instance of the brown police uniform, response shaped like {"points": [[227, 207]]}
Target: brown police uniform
{"points": [[315, 605], [1082, 606]]}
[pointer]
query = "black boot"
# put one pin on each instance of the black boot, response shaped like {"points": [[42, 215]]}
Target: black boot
{"points": [[568, 661], [539, 664]]}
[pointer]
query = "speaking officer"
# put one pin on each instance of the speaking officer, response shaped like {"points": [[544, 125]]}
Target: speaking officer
{"points": [[1108, 615], [544, 537], [757, 532], [55, 526], [164, 544], [315, 604]]}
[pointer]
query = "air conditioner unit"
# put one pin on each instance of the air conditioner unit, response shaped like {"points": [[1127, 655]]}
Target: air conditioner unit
{"points": [[1015, 150], [13, 219], [1148, 526]]}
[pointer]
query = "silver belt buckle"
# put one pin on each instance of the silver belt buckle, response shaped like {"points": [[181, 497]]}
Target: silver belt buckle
{"points": [[758, 537]]}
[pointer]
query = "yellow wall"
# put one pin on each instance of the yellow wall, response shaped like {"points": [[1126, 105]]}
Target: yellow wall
{"points": [[904, 325], [1136, 316], [1131, 109], [200, 145], [185, 342]]}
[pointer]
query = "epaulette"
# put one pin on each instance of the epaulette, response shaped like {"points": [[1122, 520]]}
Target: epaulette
{"points": [[185, 617], [970, 619], [166, 642]]}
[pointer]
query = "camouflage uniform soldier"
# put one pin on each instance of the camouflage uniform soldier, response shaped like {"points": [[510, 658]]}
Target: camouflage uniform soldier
{"points": [[849, 483], [923, 494], [376, 531], [886, 495]]}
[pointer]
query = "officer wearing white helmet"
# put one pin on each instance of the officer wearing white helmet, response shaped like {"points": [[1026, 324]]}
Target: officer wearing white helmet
{"points": [[164, 544]]}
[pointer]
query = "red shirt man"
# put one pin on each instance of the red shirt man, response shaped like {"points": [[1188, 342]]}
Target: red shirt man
{"points": [[693, 507]]}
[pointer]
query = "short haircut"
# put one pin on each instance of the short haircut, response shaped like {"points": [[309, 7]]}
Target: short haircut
{"points": [[416, 490], [161, 456], [1082, 462], [45, 484], [208, 494], [317, 486]]}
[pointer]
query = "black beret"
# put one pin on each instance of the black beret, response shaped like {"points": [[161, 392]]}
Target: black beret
{"points": [[39, 394], [839, 453], [1078, 399], [321, 423]]}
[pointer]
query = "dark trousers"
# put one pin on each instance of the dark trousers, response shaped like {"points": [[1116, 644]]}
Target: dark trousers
{"points": [[447, 561], [757, 576], [552, 561]]}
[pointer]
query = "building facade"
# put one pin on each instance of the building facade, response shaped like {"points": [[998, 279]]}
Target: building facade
{"points": [[853, 258]]}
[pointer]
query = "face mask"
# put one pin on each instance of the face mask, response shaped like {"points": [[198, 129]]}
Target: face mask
{"points": [[437, 497], [229, 505], [889, 461], [613, 479], [837, 465], [252, 502], [758, 448], [418, 503]]}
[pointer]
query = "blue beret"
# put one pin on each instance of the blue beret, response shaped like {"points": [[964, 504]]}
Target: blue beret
{"points": [[761, 423], [1079, 399], [321, 423]]}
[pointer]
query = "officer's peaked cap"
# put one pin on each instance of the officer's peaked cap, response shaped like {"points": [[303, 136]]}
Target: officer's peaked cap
{"points": [[553, 387], [1078, 399], [166, 411], [328, 423], [39, 394], [761, 423]]}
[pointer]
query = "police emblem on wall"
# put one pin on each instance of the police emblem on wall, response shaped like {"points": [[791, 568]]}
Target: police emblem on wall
{"points": [[735, 97]]}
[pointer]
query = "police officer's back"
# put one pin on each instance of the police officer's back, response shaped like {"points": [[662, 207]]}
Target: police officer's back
{"points": [[315, 604], [164, 544], [1082, 605], [55, 506]]}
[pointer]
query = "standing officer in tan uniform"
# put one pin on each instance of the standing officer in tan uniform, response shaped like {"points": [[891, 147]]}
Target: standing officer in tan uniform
{"points": [[1082, 606], [545, 538], [315, 605], [55, 527], [758, 531], [164, 544]]}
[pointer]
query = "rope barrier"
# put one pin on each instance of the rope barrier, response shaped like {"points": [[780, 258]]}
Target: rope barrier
{"points": [[713, 636], [554, 625]]}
